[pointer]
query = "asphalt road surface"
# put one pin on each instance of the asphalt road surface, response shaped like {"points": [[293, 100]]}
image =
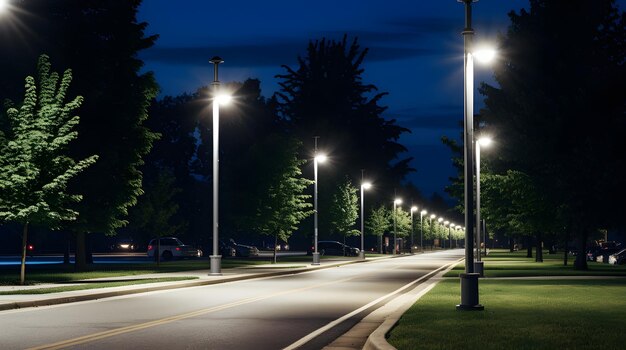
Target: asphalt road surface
{"points": [[266, 313]]}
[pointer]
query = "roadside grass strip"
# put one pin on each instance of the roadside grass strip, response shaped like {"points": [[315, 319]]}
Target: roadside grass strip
{"points": [[519, 314], [95, 285]]}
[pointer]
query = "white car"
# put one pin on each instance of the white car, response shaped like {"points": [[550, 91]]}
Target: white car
{"points": [[172, 247]]}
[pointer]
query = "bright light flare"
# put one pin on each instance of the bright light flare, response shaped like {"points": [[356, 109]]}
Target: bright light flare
{"points": [[222, 99], [397, 201], [485, 141], [424, 212], [432, 216], [413, 208], [4, 4], [321, 158], [440, 220], [485, 55], [367, 185]]}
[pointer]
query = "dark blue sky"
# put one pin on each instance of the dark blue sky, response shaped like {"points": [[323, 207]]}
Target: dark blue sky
{"points": [[416, 54]]}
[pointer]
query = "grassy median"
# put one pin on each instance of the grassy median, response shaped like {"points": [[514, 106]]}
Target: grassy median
{"points": [[551, 313]]}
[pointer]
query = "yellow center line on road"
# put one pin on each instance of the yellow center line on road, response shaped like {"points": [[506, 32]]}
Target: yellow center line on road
{"points": [[140, 326]]}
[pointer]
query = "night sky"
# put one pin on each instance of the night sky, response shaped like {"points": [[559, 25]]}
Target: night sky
{"points": [[416, 54]]}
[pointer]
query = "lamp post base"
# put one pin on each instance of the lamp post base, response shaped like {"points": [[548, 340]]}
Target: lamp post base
{"points": [[216, 265], [316, 259], [469, 293], [479, 268], [362, 255]]}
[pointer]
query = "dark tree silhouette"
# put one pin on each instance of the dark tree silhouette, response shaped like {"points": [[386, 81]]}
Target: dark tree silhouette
{"points": [[559, 108]]}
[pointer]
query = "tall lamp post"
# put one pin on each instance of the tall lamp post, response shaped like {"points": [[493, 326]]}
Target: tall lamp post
{"points": [[364, 186], [447, 223], [395, 203], [482, 141], [442, 241], [413, 209], [469, 279], [422, 213], [318, 158], [432, 235], [216, 258]]}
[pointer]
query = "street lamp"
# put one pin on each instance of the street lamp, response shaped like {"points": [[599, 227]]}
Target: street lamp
{"points": [[432, 235], [469, 279], [413, 209], [395, 203], [364, 186], [218, 99], [318, 158], [447, 223], [422, 213], [485, 142], [442, 241]]}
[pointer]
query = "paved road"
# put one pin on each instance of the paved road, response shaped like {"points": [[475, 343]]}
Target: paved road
{"points": [[270, 313]]}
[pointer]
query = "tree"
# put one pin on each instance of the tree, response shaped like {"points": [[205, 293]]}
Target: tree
{"points": [[344, 210], [34, 164], [281, 204], [403, 222], [378, 223], [100, 40], [154, 213], [326, 97], [563, 121]]}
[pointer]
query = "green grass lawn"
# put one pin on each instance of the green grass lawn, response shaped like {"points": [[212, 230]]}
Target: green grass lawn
{"points": [[501, 263], [519, 314], [59, 273], [95, 285]]}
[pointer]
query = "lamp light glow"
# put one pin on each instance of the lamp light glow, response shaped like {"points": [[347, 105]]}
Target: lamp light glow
{"points": [[485, 141], [485, 55], [223, 99], [397, 201], [321, 158], [367, 185], [413, 208]]}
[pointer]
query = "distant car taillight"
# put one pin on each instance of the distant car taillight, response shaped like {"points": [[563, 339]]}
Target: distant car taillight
{"points": [[31, 247], [149, 247], [178, 249]]}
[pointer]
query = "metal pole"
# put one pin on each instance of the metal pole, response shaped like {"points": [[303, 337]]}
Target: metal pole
{"points": [[394, 228], [412, 230], [422, 232], [469, 279], [215, 259], [478, 222], [316, 254], [362, 252]]}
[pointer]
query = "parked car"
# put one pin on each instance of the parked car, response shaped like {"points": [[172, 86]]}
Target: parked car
{"points": [[618, 258], [124, 245], [334, 248], [225, 250], [172, 247], [242, 250], [602, 255]]}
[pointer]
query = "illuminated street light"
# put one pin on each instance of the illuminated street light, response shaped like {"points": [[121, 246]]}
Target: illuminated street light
{"points": [[485, 55], [218, 98], [317, 158], [413, 209], [395, 203], [364, 186], [422, 213], [469, 279]]}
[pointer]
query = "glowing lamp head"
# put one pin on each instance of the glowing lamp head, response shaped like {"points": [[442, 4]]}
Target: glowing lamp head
{"points": [[223, 99], [485, 141], [424, 212], [367, 185], [320, 158], [446, 222], [3, 5], [397, 201], [413, 208], [432, 216], [485, 55], [440, 220]]}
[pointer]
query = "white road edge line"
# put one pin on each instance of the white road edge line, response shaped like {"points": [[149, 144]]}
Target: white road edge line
{"points": [[334, 323]]}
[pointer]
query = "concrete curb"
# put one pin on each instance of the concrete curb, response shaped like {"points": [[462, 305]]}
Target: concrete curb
{"points": [[397, 307], [174, 285]]}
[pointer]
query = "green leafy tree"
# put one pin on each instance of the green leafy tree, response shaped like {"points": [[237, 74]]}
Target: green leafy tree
{"points": [[378, 223], [34, 164], [100, 40], [281, 203], [344, 210], [403, 222]]}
